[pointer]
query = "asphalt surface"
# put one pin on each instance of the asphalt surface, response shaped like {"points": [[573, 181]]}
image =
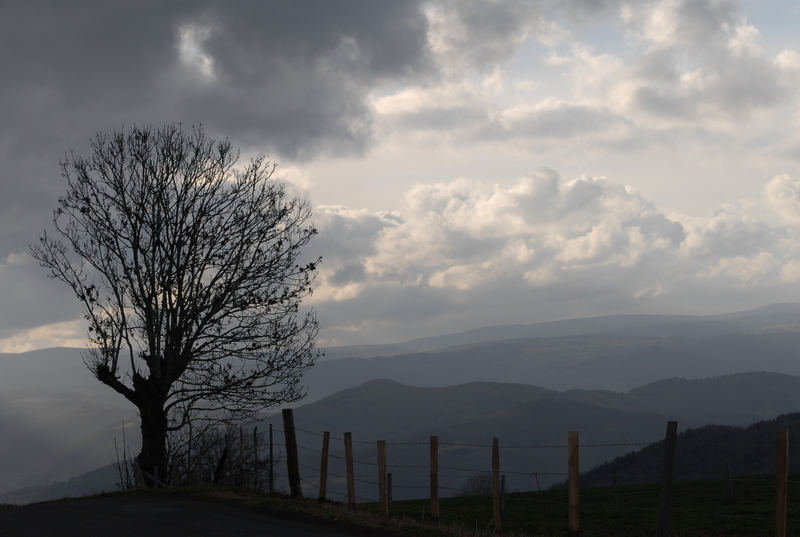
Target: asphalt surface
{"points": [[155, 517]]}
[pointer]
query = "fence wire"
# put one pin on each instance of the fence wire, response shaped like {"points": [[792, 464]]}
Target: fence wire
{"points": [[411, 476], [521, 467]]}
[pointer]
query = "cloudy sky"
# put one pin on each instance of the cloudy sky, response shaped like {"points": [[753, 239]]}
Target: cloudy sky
{"points": [[469, 163]]}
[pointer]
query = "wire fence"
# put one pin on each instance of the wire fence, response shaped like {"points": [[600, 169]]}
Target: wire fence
{"points": [[427, 469], [464, 467], [527, 467]]}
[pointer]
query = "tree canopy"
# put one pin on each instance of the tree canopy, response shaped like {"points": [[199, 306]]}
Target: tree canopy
{"points": [[190, 271]]}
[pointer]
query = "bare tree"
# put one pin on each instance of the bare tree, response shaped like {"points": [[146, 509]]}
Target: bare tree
{"points": [[188, 268]]}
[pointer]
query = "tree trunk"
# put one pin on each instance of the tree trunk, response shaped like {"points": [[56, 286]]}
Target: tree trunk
{"points": [[153, 457]]}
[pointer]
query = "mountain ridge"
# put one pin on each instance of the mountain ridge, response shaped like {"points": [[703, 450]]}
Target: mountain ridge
{"points": [[467, 416], [597, 368], [565, 327]]}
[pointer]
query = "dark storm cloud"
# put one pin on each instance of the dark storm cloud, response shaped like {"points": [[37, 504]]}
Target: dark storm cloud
{"points": [[350, 273], [480, 33], [283, 77], [288, 78], [302, 69]]}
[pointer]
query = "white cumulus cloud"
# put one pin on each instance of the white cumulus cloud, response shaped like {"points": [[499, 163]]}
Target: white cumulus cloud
{"points": [[783, 194]]}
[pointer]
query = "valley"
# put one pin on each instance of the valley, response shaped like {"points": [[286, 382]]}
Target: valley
{"points": [[615, 379]]}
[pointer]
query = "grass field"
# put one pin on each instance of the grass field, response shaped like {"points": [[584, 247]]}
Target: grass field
{"points": [[700, 508]]}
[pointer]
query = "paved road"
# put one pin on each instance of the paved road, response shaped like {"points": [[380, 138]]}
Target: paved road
{"points": [[155, 517]]}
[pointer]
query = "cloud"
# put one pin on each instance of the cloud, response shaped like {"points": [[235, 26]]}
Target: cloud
{"points": [[477, 35], [743, 270], [783, 195], [470, 253], [463, 234], [557, 120], [63, 334], [790, 272], [346, 237], [450, 106], [444, 88], [702, 71], [29, 299], [467, 252], [467, 113], [704, 62], [288, 78], [667, 23], [728, 234]]}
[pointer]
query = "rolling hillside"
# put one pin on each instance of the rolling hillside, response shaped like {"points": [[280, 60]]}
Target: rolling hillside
{"points": [[466, 417], [531, 423], [771, 318], [60, 422], [56, 420], [604, 361], [703, 453]]}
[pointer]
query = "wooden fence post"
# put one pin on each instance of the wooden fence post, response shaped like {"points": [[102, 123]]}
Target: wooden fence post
{"points": [[502, 493], [435, 478], [222, 463], [292, 462], [730, 480], [271, 466], [229, 458], [242, 472], [781, 481], [573, 461], [496, 511], [189, 477], [351, 482], [323, 466], [255, 458], [382, 488], [666, 481]]}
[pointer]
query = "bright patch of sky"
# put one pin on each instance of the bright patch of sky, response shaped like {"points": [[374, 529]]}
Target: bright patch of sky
{"points": [[777, 20]]}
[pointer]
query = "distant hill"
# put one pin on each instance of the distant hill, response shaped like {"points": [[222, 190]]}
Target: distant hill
{"points": [[391, 409], [704, 452], [737, 399], [469, 415], [603, 361], [55, 436], [531, 423], [774, 317], [103, 479], [58, 421]]}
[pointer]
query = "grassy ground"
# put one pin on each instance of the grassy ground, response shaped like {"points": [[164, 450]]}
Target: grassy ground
{"points": [[700, 508]]}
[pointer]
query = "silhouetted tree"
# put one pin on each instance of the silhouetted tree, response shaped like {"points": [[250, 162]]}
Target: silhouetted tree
{"points": [[189, 271]]}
